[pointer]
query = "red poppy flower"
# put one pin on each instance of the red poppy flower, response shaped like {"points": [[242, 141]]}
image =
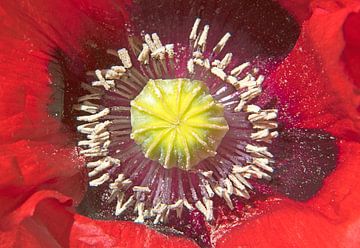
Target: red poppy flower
{"points": [[46, 49]]}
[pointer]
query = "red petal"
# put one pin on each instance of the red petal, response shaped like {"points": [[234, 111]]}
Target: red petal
{"points": [[300, 9], [351, 52], [32, 166], [288, 225], [44, 221], [311, 85], [90, 233]]}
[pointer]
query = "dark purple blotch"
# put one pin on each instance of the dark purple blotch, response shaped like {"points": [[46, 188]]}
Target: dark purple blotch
{"points": [[304, 158]]}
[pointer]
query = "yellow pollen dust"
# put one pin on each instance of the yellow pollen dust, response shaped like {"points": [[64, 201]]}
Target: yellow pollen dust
{"points": [[177, 122]]}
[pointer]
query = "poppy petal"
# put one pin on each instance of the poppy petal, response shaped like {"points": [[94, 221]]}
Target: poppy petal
{"points": [[300, 9], [311, 86], [351, 54], [31, 167], [45, 220], [91, 233]]}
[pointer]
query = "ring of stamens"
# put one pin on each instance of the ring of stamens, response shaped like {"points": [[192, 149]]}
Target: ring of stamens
{"points": [[155, 192]]}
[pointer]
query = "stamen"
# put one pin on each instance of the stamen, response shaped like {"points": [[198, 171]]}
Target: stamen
{"points": [[194, 29], [220, 46]]}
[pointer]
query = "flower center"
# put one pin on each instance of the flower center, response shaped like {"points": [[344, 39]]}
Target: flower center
{"points": [[177, 122], [165, 144]]}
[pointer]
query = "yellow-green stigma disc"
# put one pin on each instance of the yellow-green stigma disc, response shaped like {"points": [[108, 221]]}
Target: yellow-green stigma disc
{"points": [[177, 122]]}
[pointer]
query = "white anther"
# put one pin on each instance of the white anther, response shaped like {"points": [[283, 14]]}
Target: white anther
{"points": [[157, 41], [140, 208], [265, 125], [100, 127], [89, 143], [144, 55], [116, 72], [141, 189], [232, 80], [263, 163], [215, 63], [258, 150], [95, 163], [236, 182], [208, 189], [86, 128], [218, 190], [125, 58], [241, 178], [150, 42], [228, 201], [229, 186], [240, 106], [250, 94], [198, 55], [200, 206], [225, 61], [94, 117], [241, 193], [99, 137], [106, 144], [199, 62], [105, 165], [260, 80], [260, 134], [118, 180], [95, 96], [258, 173], [120, 200], [207, 174], [194, 29], [107, 84], [86, 106], [94, 152], [177, 204], [274, 134], [219, 73], [190, 66], [159, 53], [110, 74], [247, 81], [203, 38], [169, 48], [221, 44], [100, 180], [188, 205], [252, 108], [207, 64], [127, 204], [209, 209], [237, 70]]}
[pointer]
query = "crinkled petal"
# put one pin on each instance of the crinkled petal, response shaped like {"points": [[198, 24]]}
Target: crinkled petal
{"points": [[311, 86], [351, 53], [45, 219], [89, 233], [300, 9], [34, 166]]}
